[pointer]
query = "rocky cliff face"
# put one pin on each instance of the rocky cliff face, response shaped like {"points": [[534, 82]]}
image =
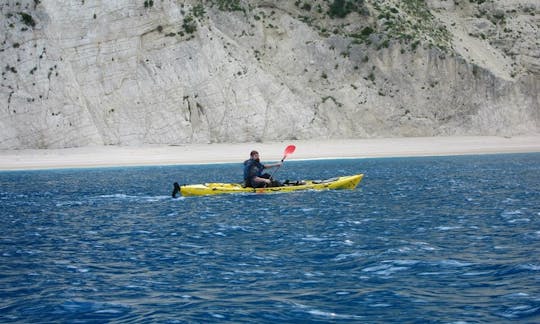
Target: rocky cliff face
{"points": [[94, 72]]}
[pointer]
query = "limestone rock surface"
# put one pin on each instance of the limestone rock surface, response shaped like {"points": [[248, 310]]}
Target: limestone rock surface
{"points": [[126, 72]]}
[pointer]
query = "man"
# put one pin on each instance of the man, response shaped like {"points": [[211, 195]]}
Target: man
{"points": [[253, 172]]}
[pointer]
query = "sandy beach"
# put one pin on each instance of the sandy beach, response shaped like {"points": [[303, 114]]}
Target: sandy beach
{"points": [[106, 156]]}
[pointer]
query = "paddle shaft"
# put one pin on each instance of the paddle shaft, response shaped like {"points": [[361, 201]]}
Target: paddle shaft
{"points": [[279, 166], [288, 150]]}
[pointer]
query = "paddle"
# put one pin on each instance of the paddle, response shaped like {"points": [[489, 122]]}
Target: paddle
{"points": [[288, 150]]}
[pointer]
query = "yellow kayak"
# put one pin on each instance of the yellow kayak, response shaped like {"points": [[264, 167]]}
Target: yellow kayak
{"points": [[346, 182]]}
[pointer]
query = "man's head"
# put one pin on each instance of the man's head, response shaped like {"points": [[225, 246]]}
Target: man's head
{"points": [[254, 155]]}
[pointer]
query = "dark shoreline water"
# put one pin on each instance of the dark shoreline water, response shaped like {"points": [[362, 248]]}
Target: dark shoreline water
{"points": [[431, 239]]}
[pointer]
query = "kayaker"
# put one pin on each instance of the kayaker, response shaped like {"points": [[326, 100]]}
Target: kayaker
{"points": [[253, 172]]}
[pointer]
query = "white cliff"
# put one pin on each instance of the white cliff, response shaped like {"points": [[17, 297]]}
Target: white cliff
{"points": [[91, 72]]}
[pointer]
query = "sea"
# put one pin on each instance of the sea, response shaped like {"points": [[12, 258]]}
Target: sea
{"points": [[449, 239]]}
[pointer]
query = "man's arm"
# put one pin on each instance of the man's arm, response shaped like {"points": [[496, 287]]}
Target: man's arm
{"points": [[268, 166]]}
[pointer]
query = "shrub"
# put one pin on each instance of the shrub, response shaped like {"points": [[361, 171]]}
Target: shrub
{"points": [[341, 8], [364, 34], [189, 24], [27, 19], [306, 6], [198, 10], [367, 31], [228, 5]]}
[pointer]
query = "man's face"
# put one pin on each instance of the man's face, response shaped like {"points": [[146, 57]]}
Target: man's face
{"points": [[255, 157]]}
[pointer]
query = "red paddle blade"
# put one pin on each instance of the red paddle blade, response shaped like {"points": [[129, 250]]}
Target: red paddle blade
{"points": [[289, 150]]}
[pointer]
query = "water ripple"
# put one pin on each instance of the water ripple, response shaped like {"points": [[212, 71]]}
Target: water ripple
{"points": [[423, 239]]}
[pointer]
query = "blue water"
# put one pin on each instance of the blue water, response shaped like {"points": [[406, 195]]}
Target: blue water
{"points": [[435, 239]]}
